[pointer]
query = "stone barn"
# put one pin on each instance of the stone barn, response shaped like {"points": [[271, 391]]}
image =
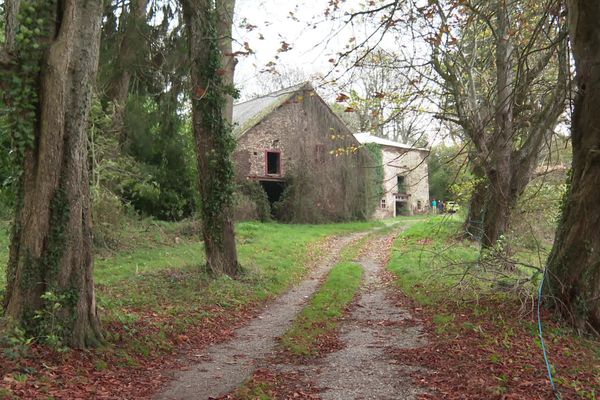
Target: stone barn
{"points": [[406, 177], [305, 158]]}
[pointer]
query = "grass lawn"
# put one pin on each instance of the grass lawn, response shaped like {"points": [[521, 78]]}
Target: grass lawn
{"points": [[169, 281]]}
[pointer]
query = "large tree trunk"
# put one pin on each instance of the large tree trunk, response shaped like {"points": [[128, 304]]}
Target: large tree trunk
{"points": [[574, 263], [211, 116], [498, 170], [51, 247], [127, 62], [473, 226]]}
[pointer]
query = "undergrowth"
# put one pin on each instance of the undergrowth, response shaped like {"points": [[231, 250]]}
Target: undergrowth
{"points": [[470, 302]]}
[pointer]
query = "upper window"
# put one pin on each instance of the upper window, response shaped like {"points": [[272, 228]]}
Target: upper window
{"points": [[401, 184], [273, 163]]}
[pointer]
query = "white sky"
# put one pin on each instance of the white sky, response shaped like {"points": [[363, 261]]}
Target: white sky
{"points": [[311, 48]]}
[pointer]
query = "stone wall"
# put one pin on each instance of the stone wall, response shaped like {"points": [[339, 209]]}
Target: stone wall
{"points": [[412, 164]]}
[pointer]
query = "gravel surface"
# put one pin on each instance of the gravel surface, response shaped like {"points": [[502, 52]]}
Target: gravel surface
{"points": [[224, 367], [363, 368]]}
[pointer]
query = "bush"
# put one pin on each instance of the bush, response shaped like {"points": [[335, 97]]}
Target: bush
{"points": [[251, 202], [108, 213]]}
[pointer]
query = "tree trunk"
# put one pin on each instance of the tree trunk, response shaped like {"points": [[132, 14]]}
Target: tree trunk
{"points": [[51, 248], [473, 225], [498, 207], [574, 263], [118, 91], [498, 204], [211, 117]]}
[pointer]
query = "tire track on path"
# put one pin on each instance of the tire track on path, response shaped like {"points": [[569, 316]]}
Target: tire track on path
{"points": [[224, 367]]}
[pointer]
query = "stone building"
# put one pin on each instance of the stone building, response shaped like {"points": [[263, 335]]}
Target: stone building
{"points": [[304, 157], [406, 177]]}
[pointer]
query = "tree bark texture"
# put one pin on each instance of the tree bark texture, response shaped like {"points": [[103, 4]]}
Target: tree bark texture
{"points": [[574, 263], [212, 67], [51, 247]]}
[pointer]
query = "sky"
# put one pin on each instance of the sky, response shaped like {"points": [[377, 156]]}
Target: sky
{"points": [[313, 39]]}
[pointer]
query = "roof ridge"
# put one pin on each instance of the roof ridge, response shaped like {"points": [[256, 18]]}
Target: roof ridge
{"points": [[277, 93]]}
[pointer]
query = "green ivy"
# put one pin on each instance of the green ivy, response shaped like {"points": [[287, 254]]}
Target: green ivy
{"points": [[218, 181], [377, 156], [21, 100]]}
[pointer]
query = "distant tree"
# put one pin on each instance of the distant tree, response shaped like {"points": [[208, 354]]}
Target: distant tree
{"points": [[279, 78], [504, 68], [209, 24], [574, 263], [51, 63], [381, 98], [128, 59]]}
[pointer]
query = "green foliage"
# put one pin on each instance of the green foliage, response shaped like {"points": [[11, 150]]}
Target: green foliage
{"points": [[51, 323], [19, 102], [377, 184], [155, 172], [250, 194], [298, 202], [217, 183], [448, 175], [14, 341]]}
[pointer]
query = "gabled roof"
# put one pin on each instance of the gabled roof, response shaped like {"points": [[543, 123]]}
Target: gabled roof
{"points": [[249, 113], [366, 137]]}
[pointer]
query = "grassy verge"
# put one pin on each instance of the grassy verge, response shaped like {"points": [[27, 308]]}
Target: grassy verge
{"points": [[317, 323], [320, 318], [467, 305]]}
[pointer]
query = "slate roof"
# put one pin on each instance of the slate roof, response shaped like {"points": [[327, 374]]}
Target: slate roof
{"points": [[366, 137], [249, 113]]}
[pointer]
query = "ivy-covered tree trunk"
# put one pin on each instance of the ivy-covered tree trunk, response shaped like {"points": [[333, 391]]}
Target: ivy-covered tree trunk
{"points": [[50, 287], [211, 117], [574, 263], [473, 225]]}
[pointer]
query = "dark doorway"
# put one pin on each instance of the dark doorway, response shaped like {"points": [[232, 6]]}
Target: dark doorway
{"points": [[401, 208], [273, 163], [274, 190]]}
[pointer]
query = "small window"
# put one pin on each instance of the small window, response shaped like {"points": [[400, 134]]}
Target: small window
{"points": [[382, 204], [273, 163], [419, 205]]}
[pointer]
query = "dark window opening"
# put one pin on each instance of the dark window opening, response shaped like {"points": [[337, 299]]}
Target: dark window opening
{"points": [[401, 184], [274, 191], [273, 163]]}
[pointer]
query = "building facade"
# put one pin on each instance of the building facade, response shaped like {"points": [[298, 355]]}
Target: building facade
{"points": [[406, 177], [303, 155]]}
